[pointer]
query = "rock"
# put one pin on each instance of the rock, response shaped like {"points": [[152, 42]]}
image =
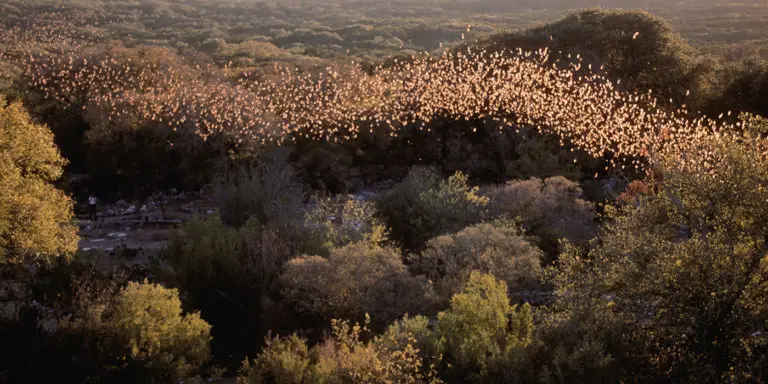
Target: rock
{"points": [[364, 195], [48, 324]]}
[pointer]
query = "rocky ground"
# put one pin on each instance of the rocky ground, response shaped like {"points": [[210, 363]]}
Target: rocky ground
{"points": [[141, 226]]}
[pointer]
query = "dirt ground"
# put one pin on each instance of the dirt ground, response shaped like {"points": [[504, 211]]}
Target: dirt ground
{"points": [[146, 228]]}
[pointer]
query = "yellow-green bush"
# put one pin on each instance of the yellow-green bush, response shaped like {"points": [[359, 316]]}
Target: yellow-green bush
{"points": [[344, 357], [481, 332], [145, 328]]}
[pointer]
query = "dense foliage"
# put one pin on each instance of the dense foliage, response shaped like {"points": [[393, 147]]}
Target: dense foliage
{"points": [[36, 219]]}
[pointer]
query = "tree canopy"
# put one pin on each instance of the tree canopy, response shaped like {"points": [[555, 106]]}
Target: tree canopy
{"points": [[36, 219]]}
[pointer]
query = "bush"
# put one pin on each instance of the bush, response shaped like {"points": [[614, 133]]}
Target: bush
{"points": [[549, 209], [341, 221], [36, 219], [580, 346], [43, 338], [417, 332], [481, 332], [422, 206], [230, 274], [342, 358], [284, 360], [325, 166], [268, 192], [145, 328], [480, 338], [354, 280], [499, 249]]}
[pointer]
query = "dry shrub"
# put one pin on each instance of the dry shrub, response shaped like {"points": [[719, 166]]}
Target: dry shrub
{"points": [[550, 209], [354, 280], [499, 248]]}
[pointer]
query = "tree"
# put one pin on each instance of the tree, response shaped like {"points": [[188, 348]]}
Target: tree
{"points": [[268, 192], [685, 270], [499, 249], [36, 219], [146, 328], [230, 274], [744, 88], [481, 331]]}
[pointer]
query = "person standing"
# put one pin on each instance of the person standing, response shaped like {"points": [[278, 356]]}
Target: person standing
{"points": [[92, 208]]}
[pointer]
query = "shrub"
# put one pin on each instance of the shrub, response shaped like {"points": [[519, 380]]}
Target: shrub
{"points": [[354, 280], [45, 338], [341, 221], [481, 331], [325, 166], [284, 360], [268, 192], [145, 327], [580, 346], [417, 332], [423, 206], [342, 358], [499, 249], [230, 274], [480, 338], [550, 209]]}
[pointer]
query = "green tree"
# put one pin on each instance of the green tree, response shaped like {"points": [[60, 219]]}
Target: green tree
{"points": [[230, 275], [36, 219], [482, 333], [479, 338], [634, 46], [685, 270], [267, 191]]}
